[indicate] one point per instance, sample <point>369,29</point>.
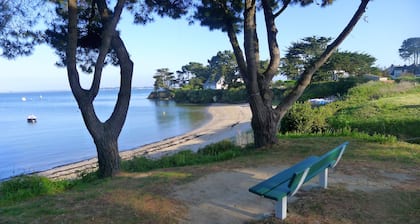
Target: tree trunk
<point>265,119</point>
<point>105,134</point>
<point>264,123</point>
<point>108,156</point>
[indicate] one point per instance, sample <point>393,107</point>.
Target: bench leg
<point>281,208</point>
<point>323,178</point>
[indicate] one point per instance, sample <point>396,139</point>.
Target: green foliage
<point>410,49</point>
<point>378,107</point>
<point>163,79</point>
<point>19,32</point>
<point>375,90</point>
<point>234,95</point>
<point>345,132</point>
<point>330,88</point>
<point>23,187</point>
<point>200,71</point>
<point>220,151</point>
<point>352,62</point>
<point>303,118</point>
<point>383,110</point>
<point>407,77</point>
<point>223,15</point>
<point>300,54</point>
<point>197,96</point>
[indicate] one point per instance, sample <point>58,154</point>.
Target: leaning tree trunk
<point>105,134</point>
<point>265,119</point>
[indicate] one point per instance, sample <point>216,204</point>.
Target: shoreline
<point>226,122</point>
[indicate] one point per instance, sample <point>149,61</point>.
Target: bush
<point>236,95</point>
<point>23,187</point>
<point>303,118</point>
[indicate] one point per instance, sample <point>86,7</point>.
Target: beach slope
<point>227,121</point>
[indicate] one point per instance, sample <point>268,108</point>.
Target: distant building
<point>215,82</point>
<point>396,71</point>
<point>336,74</point>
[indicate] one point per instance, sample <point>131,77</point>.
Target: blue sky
<point>171,44</point>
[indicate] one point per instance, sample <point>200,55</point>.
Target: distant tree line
<point>302,53</point>
<point>298,55</point>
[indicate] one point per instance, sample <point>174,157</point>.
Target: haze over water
<point>60,137</point>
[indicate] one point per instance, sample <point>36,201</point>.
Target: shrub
<point>303,118</point>
<point>23,187</point>
<point>235,95</point>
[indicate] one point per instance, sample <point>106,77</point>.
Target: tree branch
<point>306,77</point>
<point>282,9</point>
<point>240,59</point>
<point>72,73</point>
<point>110,24</point>
<point>273,47</point>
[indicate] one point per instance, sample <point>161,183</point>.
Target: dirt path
<point>223,197</point>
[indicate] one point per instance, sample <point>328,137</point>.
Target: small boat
<point>31,118</point>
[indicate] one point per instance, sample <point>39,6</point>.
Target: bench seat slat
<point>283,177</point>
<point>288,188</point>
<point>278,192</point>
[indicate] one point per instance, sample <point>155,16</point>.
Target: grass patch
<point>338,205</point>
<point>24,187</point>
<point>375,108</point>
<point>145,197</point>
<point>220,151</point>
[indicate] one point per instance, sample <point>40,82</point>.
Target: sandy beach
<point>227,122</point>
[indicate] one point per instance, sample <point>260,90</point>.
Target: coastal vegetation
<point>85,38</point>
<point>236,16</point>
<point>381,119</point>
<point>145,197</point>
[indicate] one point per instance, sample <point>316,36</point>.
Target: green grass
<point>220,151</point>
<point>23,187</point>
<point>397,115</point>
<point>144,197</point>
<point>374,108</point>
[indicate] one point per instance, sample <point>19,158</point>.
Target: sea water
<point>59,136</point>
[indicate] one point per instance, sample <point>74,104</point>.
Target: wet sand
<point>227,122</point>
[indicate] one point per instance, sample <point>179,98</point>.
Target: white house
<point>215,83</point>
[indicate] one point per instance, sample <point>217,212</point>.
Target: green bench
<point>286,183</point>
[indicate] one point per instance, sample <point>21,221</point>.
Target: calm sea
<point>60,137</point>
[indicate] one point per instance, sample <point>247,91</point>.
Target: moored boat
<point>31,118</point>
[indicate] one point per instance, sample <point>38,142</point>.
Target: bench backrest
<point>328,160</point>
<point>297,181</point>
<point>285,176</point>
